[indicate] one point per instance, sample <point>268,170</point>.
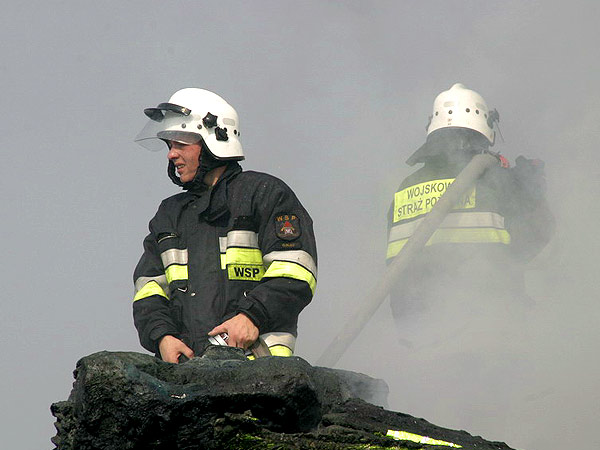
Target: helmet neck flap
<point>450,145</point>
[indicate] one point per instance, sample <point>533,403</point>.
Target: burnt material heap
<point>124,400</point>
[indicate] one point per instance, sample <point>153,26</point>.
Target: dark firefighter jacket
<point>246,245</point>
<point>501,223</point>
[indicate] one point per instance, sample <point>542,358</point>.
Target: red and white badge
<point>287,227</point>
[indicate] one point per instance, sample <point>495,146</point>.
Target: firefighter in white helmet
<point>460,126</point>
<point>468,282</point>
<point>234,255</point>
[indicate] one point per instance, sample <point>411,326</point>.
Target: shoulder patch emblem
<point>287,227</point>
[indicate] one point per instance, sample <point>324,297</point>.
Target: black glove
<point>531,177</point>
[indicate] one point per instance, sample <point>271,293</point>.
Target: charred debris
<point>126,400</point>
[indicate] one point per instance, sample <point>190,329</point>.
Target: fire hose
<point>352,328</point>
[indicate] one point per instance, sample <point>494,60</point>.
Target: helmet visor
<point>184,137</point>
<point>165,124</point>
<point>158,114</point>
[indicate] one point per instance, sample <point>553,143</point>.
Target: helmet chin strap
<point>172,175</point>
<point>207,163</point>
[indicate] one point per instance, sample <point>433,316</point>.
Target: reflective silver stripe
<point>242,238</point>
<point>295,256</point>
<point>223,244</point>
<point>279,338</point>
<point>174,256</point>
<point>480,219</point>
<point>223,250</point>
<point>161,280</point>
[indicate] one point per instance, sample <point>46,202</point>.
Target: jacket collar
<point>212,201</point>
<point>449,146</point>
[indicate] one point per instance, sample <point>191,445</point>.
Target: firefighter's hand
<point>530,175</point>
<point>172,348</point>
<point>241,330</point>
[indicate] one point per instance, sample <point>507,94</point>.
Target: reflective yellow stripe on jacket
<point>148,286</point>
<point>296,264</point>
<point>244,264</point>
<point>176,272</point>
<point>175,262</point>
<point>280,350</point>
<point>243,259</point>
<point>457,227</point>
<point>280,343</point>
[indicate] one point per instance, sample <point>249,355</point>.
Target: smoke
<point>525,374</point>
<point>535,385</point>
<point>333,98</point>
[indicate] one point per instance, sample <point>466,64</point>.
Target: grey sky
<point>333,97</point>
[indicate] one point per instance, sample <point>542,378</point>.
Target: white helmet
<point>463,108</point>
<point>192,114</point>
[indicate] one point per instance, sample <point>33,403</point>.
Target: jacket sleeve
<point>287,242</point>
<point>530,220</point>
<point>151,300</point>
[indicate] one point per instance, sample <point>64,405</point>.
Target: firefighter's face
<point>186,158</point>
